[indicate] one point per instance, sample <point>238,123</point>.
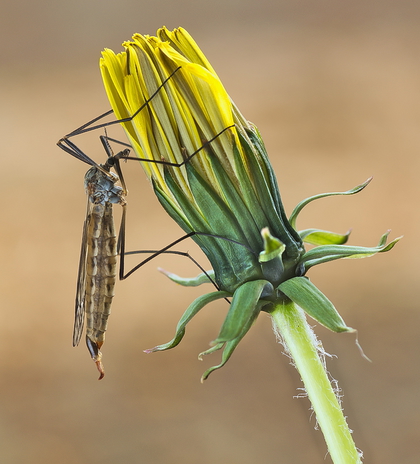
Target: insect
<point>98,256</point>
<point>100,247</point>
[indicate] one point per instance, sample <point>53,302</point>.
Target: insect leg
<point>90,125</point>
<point>165,249</point>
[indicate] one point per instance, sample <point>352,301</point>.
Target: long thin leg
<point>155,253</point>
<point>87,127</point>
<point>168,163</point>
<point>68,146</point>
<point>180,253</point>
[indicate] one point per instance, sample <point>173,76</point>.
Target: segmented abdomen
<point>101,271</point>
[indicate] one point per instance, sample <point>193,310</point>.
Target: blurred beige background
<point>335,89</point>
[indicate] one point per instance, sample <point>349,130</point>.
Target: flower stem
<point>290,322</point>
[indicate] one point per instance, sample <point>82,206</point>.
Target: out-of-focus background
<point>334,88</point>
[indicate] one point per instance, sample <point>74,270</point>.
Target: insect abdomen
<point>101,271</point>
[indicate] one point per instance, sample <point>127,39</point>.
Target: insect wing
<point>79,317</point>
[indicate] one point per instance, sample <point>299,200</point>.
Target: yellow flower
<point>228,188</point>
<point>211,173</point>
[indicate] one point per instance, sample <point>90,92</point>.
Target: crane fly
<point>98,257</point>
<point>98,261</point>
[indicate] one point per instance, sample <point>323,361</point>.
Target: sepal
<point>203,278</point>
<point>190,312</point>
<point>323,237</point>
<point>273,247</point>
<point>302,204</point>
<point>325,253</point>
<point>304,293</point>
<point>230,346</point>
<point>243,308</point>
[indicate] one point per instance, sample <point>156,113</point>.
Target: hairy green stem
<point>300,341</point>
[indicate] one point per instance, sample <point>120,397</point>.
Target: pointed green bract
<point>304,293</point>
<point>230,346</point>
<point>191,311</point>
<point>217,213</point>
<point>244,304</point>
<point>203,278</point>
<point>273,247</point>
<point>325,253</point>
<point>211,350</point>
<point>302,204</point>
<point>235,202</point>
<point>267,200</point>
<point>323,237</point>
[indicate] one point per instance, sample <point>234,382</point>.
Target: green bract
<point>226,192</point>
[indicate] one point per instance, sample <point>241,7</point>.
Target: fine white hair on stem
<point>322,355</point>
